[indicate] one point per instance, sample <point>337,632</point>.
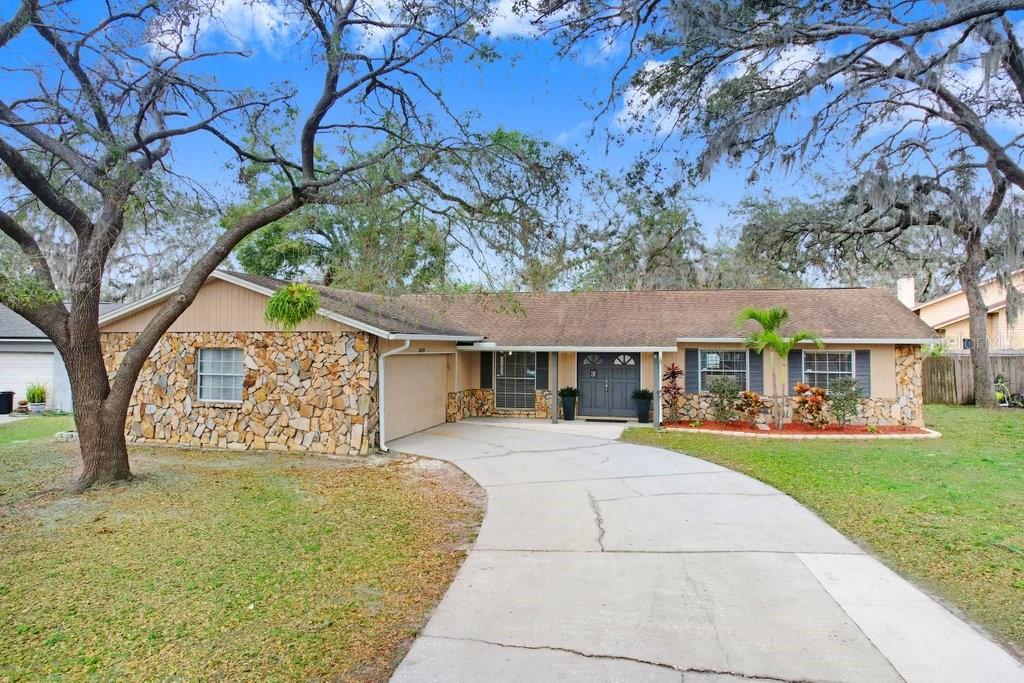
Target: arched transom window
<point>592,359</point>
<point>624,359</point>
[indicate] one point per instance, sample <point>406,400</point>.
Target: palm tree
<point>770,337</point>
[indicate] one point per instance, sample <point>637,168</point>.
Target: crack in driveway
<point>623,658</point>
<point>594,505</point>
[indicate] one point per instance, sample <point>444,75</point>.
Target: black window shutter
<point>862,371</point>
<point>796,369</point>
<point>486,369</point>
<point>542,370</point>
<point>756,371</point>
<point>692,370</point>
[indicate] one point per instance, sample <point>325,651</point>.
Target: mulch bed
<point>796,428</point>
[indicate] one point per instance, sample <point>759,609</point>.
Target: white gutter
<point>827,340</point>
<point>490,346</point>
<point>434,337</point>
<point>380,391</point>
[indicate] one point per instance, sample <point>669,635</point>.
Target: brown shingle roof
<point>659,318</point>
<point>622,318</point>
<point>396,314</point>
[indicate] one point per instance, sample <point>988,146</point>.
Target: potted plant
<point>35,394</point>
<point>643,398</point>
<point>568,396</point>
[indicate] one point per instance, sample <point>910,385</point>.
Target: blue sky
<point>531,88</point>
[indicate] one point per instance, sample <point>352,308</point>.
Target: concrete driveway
<point>600,560</point>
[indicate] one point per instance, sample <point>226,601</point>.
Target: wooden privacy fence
<point>950,379</point>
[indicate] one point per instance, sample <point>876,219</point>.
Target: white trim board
<point>595,349</point>
<point>826,340</point>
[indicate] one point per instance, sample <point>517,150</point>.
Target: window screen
<point>220,374</point>
<point>821,368</point>
<point>515,379</point>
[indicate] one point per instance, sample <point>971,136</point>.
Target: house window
<point>220,374</point>
<point>624,359</point>
<point>822,368</point>
<point>515,379</point>
<point>715,363</point>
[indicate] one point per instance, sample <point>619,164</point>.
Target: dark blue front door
<point>607,382</point>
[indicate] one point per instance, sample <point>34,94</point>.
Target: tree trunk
<point>970,273</point>
<point>104,451</point>
<point>99,417</point>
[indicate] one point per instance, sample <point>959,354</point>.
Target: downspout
<point>657,389</point>
<point>380,391</point>
<point>553,386</point>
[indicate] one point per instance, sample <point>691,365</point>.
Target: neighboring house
<point>948,316</point>
<point>368,366</point>
<point>27,356</point>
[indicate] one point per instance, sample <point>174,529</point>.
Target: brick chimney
<point>906,291</point>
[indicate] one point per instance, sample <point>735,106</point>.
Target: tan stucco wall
<point>221,307</point>
<point>566,369</point>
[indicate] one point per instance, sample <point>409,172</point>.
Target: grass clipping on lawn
<point>212,565</point>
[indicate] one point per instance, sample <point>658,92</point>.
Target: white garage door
<point>18,370</point>
<point>415,393</point>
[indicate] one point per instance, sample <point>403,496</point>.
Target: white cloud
<point>603,50</point>
<point>505,20</point>
<point>236,23</point>
<point>640,107</point>
<point>780,68</point>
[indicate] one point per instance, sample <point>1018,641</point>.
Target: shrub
<point>811,404</point>
<point>723,392</point>
<point>750,404</point>
<point>35,393</point>
<point>568,391</point>
<point>291,305</point>
<point>671,391</point>
<point>643,395</point>
<point>843,398</point>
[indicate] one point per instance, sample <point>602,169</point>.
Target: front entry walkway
<point>600,560</point>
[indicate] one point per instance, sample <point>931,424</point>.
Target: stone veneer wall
<point>314,391</point>
<point>906,409</point>
<point>469,403</point>
<point>480,402</point>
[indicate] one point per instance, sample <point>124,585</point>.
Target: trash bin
<point>6,402</point>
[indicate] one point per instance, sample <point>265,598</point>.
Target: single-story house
<point>948,316</point>
<point>369,369</point>
<point>27,356</point>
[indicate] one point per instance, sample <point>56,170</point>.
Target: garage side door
<point>415,393</point>
<point>18,370</point>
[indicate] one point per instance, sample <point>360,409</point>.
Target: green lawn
<point>948,513</point>
<point>222,566</point>
<point>22,470</point>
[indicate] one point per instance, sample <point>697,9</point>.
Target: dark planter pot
<point>643,410</point>
<point>569,407</point>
